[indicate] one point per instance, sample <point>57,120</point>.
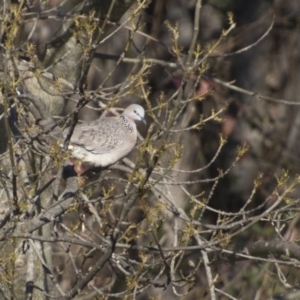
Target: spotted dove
<point>103,142</point>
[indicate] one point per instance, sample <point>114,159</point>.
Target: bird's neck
<point>126,123</point>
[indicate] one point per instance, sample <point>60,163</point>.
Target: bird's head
<point>135,112</point>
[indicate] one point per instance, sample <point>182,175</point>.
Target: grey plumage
<point>103,142</point>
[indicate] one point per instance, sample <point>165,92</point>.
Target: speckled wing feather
<point>99,136</point>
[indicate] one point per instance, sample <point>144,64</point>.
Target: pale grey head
<point>135,112</point>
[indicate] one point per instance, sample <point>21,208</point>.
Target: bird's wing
<point>98,137</point>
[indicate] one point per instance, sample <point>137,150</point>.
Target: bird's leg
<point>80,171</point>
<point>78,166</point>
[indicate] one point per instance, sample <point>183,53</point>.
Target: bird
<point>103,142</point>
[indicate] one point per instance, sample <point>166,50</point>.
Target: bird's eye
<point>134,111</point>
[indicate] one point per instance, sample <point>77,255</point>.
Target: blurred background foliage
<point>116,57</point>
